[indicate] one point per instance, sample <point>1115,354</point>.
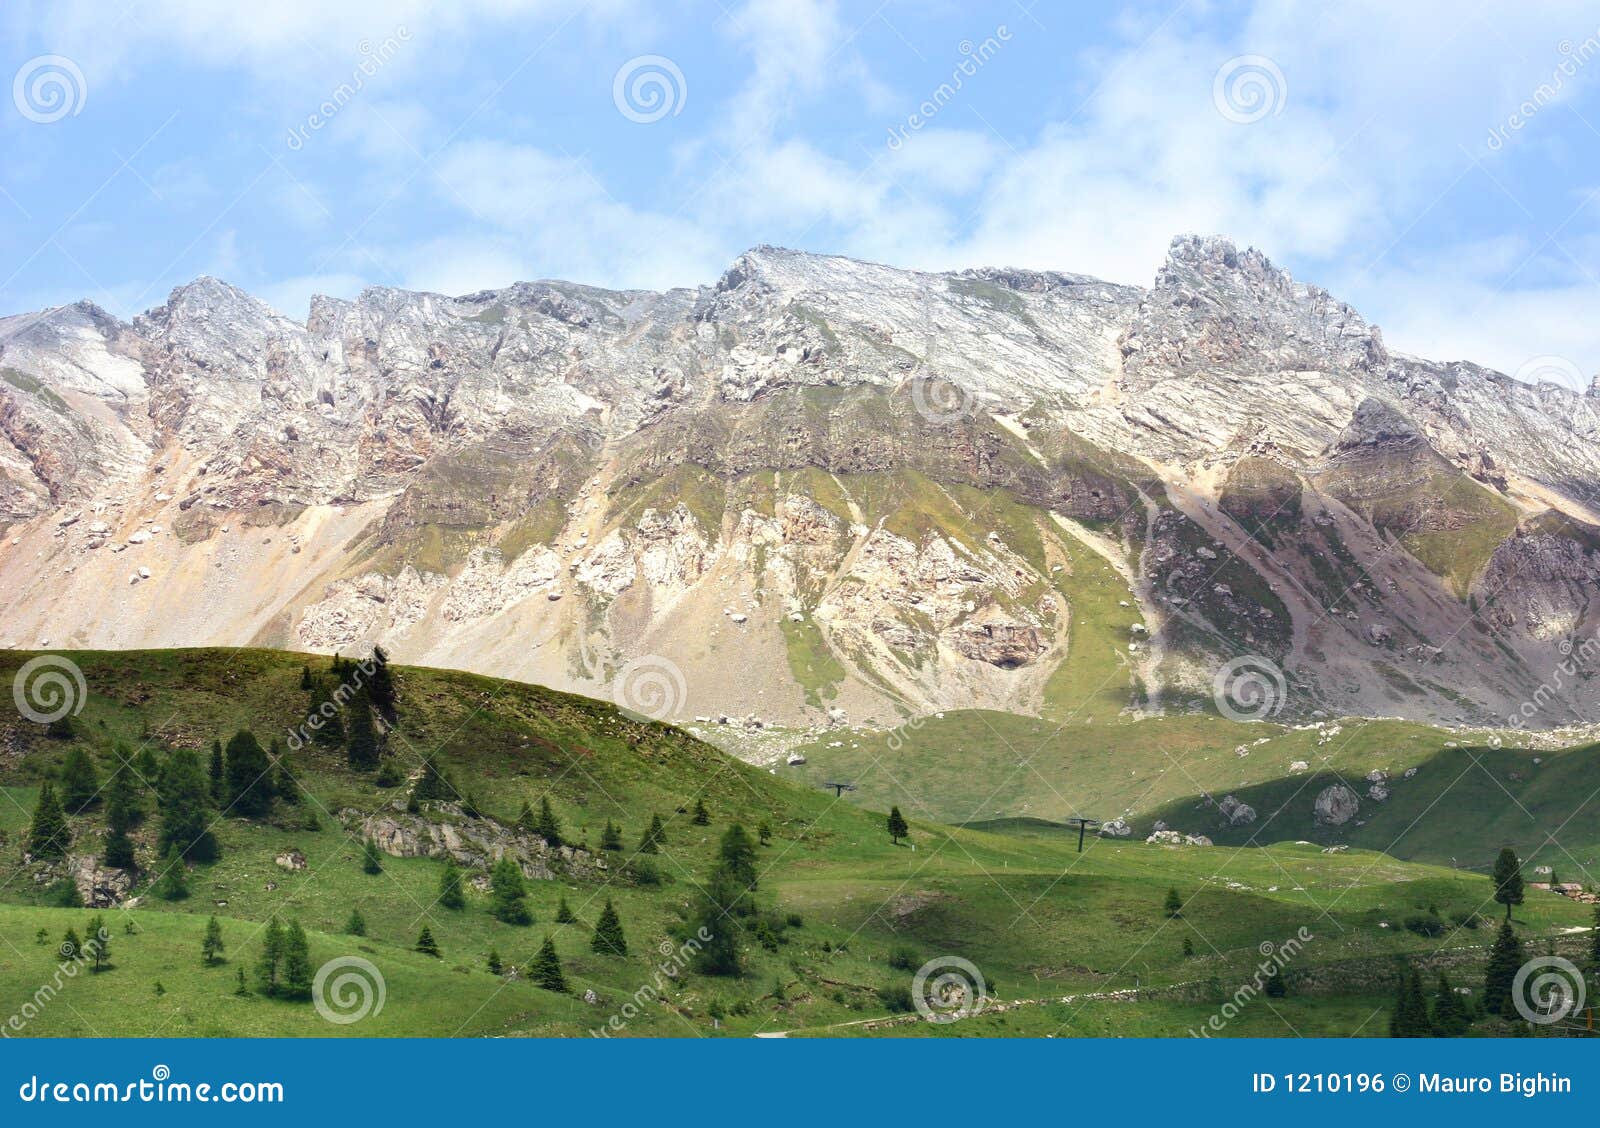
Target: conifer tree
<point>356,925</point>
<point>71,946</point>
<point>508,895</point>
<point>219,785</point>
<point>122,805</point>
<point>611,837</point>
<point>655,836</point>
<point>1276,988</point>
<point>287,787</point>
<point>371,857</point>
<point>329,733</point>
<point>898,828</point>
<point>148,768</point>
<point>431,783</point>
<point>1450,1017</point>
<point>211,948</point>
<point>380,686</point>
<point>173,884</point>
<point>493,963</point>
<point>269,964</point>
<point>99,943</point>
<point>702,817</point>
<point>305,679</point>
<point>545,971</point>
<point>186,808</point>
<point>1508,879</point>
<point>738,855</point>
<point>608,939</point>
<point>547,826</point>
<point>1410,1017</point>
<point>451,893</point>
<point>248,777</point>
<point>1505,958</point>
<point>564,914</point>
<point>297,969</point>
<point>48,833</point>
<point>80,784</point>
<point>764,833</point>
<point>426,944</point>
<point>716,918</point>
<point>1174,904</point>
<point>361,741</point>
<point>1188,948</point>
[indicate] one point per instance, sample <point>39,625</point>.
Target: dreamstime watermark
<point>973,58</point>
<point>1547,989</point>
<point>949,988</point>
<point>335,702</point>
<point>1274,958</point>
<point>647,88</point>
<point>1249,688</point>
<point>373,60</point>
<point>74,957</point>
<point>676,958</point>
<point>1550,369</point>
<point>1574,57</point>
<point>158,1088</point>
<point>347,989</point>
<point>1575,662</point>
<point>939,401</point>
<point>650,688</point>
<point>1248,88</point>
<point>49,688</point>
<point>48,88</point>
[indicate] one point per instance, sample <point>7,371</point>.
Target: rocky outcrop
<point>442,830</point>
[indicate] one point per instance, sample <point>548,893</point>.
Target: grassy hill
<point>846,916</point>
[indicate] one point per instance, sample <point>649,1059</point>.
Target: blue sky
<point>1437,165</point>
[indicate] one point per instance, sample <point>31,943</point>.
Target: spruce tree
<point>431,783</point>
<point>1450,1016</point>
<point>655,836</point>
<point>325,709</point>
<point>248,777</point>
<point>297,969</point>
<point>356,925</point>
<point>1410,1017</point>
<point>508,895</point>
<point>1508,879</point>
<point>547,826</point>
<point>1505,959</point>
<point>451,893</point>
<point>71,946</point>
<point>361,742</point>
<point>611,837</point>
<point>211,948</point>
<point>148,768</point>
<point>269,964</point>
<point>99,943</point>
<point>608,939</point>
<point>287,787</point>
<point>219,785</point>
<point>1174,904</point>
<point>426,943</point>
<point>493,962</point>
<point>371,857</point>
<point>564,913</point>
<point>80,784</point>
<point>718,905</point>
<point>702,817</point>
<point>380,686</point>
<point>738,855</point>
<point>48,833</point>
<point>186,808</point>
<point>305,679</point>
<point>173,884</point>
<point>122,805</point>
<point>1276,988</point>
<point>1188,948</point>
<point>898,828</point>
<point>545,971</point>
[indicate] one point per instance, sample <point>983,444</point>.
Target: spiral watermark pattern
<point>348,989</point>
<point>939,401</point>
<point>1248,88</point>
<point>1551,370</point>
<point>947,988</point>
<point>49,688</point>
<point>647,88</point>
<point>651,688</point>
<point>48,88</point>
<point>1249,688</point>
<point>1555,991</point>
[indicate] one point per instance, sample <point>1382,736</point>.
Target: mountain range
<point>818,492</point>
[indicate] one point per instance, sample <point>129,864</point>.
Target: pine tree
<point>1450,1017</point>
<point>897,826</point>
<point>1410,1017</point>
<point>361,742</point>
<point>248,777</point>
<point>764,833</point>
<point>1508,879</point>
<point>608,939</point>
<point>564,913</point>
<point>547,826</point>
<point>611,837</point>
<point>219,786</point>
<point>426,943</point>
<point>380,686</point>
<point>99,944</point>
<point>1505,958</point>
<point>297,970</point>
<point>493,963</point>
<point>287,787</point>
<point>48,833</point>
<point>243,988</point>
<point>655,836</point>
<point>186,808</point>
<point>738,855</point>
<point>356,925</point>
<point>269,965</point>
<point>508,896</point>
<point>80,786</point>
<point>702,817</point>
<point>451,893</point>
<point>122,805</point>
<point>148,769</point>
<point>718,903</point>
<point>211,948</point>
<point>1174,904</point>
<point>173,884</point>
<point>431,783</point>
<point>371,857</point>
<point>545,971</point>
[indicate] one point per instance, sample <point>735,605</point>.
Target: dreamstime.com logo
<point>49,688</point>
<point>48,88</point>
<point>650,688</point>
<point>1248,88</point>
<point>939,401</point>
<point>1249,688</point>
<point>947,988</point>
<point>348,989</point>
<point>1547,989</point>
<point>647,88</point>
